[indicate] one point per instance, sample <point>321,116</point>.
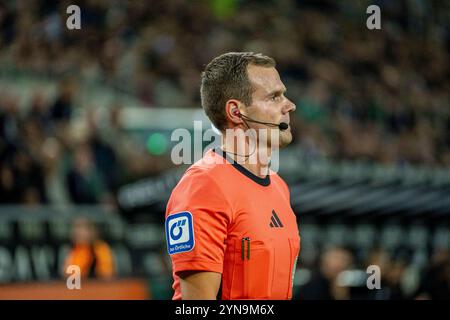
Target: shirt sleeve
<point>198,194</point>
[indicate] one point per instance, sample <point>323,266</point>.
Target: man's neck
<point>252,157</point>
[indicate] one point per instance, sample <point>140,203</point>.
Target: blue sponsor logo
<point>180,232</point>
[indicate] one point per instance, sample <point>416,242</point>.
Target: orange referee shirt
<point>223,218</point>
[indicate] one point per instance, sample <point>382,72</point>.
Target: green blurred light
<point>157,144</point>
<point>223,9</point>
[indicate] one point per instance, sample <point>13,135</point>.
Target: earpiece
<point>236,112</point>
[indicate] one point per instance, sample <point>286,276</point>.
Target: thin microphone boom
<point>281,125</point>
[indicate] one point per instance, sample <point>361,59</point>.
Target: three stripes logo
<point>275,221</point>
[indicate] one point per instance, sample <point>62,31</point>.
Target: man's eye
<point>274,97</point>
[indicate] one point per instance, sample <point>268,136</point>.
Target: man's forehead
<point>265,79</point>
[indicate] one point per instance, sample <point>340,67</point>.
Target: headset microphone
<point>282,125</point>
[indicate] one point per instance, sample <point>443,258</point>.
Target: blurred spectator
<point>8,188</point>
<point>28,178</point>
<point>84,180</point>
<point>61,110</point>
<point>9,121</point>
<point>323,284</point>
<point>91,254</point>
<point>104,156</point>
<point>435,283</point>
<point>55,163</point>
<point>391,275</point>
<point>38,111</point>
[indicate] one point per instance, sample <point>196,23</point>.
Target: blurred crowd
<point>46,159</point>
<point>376,95</point>
<point>339,275</point>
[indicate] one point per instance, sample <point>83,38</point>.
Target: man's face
<point>269,103</point>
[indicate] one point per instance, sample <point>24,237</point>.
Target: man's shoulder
<point>209,166</point>
<point>200,183</point>
<point>206,171</point>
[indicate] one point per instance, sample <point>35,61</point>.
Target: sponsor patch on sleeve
<point>180,232</point>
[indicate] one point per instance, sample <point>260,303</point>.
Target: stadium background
<point>87,115</point>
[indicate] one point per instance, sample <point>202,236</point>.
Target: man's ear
<point>233,112</point>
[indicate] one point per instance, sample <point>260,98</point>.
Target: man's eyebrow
<point>277,92</point>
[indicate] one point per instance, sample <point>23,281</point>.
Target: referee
<point>230,230</point>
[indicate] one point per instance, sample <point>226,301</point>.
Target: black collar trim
<point>261,181</point>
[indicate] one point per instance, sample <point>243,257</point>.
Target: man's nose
<point>289,106</point>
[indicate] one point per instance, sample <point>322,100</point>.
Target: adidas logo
<point>275,221</point>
